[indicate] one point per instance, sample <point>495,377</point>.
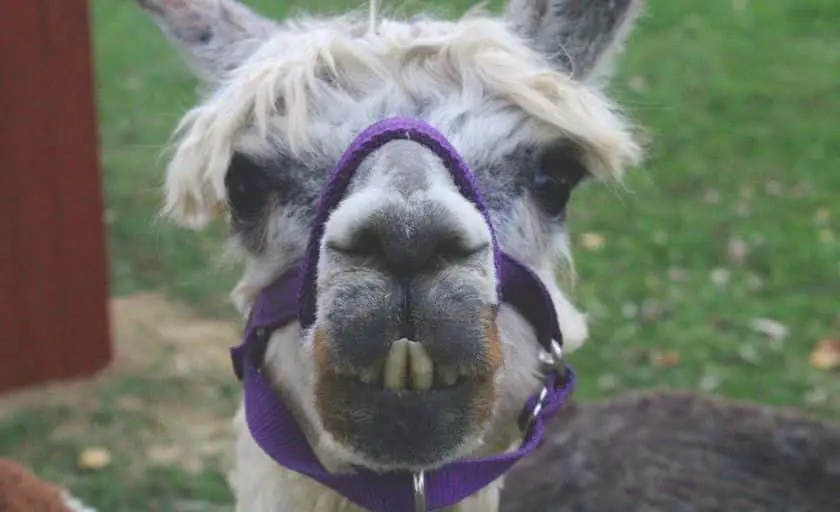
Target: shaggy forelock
<point>476,80</point>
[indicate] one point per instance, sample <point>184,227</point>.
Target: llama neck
<point>261,487</point>
<point>290,491</point>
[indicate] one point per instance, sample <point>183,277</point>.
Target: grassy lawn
<point>733,222</point>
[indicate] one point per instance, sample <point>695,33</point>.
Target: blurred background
<point>717,270</point>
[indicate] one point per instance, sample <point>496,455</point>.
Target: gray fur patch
<point>404,164</point>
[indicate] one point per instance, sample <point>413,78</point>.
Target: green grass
<point>741,100</point>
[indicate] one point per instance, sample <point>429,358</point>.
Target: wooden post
<point>53,262</point>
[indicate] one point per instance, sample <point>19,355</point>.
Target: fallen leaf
<point>665,358</point>
<point>94,458</point>
<point>133,83</point>
<point>607,382</point>
<point>826,236</point>
<point>826,355</point>
<point>822,215</point>
<point>737,250</point>
<point>712,196</point>
<point>75,503</point>
<point>709,383</point>
<point>660,237</point>
<point>770,328</point>
<point>754,283</point>
<point>720,276</point>
<point>652,311</point>
<point>637,83</point>
<point>593,241</point>
<point>109,216</point>
<point>635,356</point>
<point>676,274</point>
<point>746,192</point>
<point>748,353</point>
<point>743,209</point>
<point>739,5</point>
<point>773,187</point>
<point>816,396</point>
<point>629,310</point>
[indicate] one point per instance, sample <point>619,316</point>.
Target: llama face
<point>411,361</point>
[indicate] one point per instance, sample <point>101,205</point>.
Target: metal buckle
<point>555,360</point>
<point>420,492</point>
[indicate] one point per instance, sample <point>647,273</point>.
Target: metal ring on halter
<point>537,408</point>
<point>419,492</point>
<point>555,359</point>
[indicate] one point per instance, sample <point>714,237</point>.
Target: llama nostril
<point>409,241</point>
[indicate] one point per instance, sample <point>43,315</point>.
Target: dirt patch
<point>169,391</point>
<point>150,330</point>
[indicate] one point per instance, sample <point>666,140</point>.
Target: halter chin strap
<point>292,298</point>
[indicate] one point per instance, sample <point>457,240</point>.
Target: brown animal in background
<point>23,491</point>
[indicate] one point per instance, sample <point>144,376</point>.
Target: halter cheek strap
<point>292,298</point>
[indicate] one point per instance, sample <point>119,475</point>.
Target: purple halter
<point>292,298</point>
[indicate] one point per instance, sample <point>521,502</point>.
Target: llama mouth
<point>405,411</point>
<point>408,367</point>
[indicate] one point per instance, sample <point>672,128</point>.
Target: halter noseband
<point>292,298</point>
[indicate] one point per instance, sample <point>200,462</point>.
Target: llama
<point>406,360</point>
<point>678,451</point>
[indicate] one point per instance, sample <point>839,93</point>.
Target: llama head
<point>411,361</point>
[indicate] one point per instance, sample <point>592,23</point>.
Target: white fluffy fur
<point>278,91</point>
<point>305,91</point>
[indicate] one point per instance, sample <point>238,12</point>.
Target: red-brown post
<point>53,263</point>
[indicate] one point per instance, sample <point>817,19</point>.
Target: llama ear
<point>579,36</point>
<point>212,35</point>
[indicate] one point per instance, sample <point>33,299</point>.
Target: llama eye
<point>558,173</point>
<point>247,187</point>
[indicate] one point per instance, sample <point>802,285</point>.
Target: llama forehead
<point>314,85</point>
